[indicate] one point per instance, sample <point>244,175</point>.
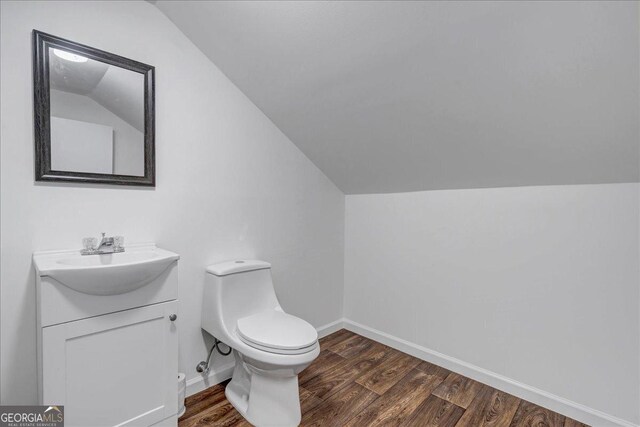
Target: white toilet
<point>271,347</point>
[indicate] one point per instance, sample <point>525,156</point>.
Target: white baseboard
<point>330,328</point>
<point>542,398</point>
<point>197,384</point>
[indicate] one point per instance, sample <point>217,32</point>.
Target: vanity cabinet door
<point>115,369</point>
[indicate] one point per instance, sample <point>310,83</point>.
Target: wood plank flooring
<point>359,382</point>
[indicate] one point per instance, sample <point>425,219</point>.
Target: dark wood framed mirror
<point>94,115</point>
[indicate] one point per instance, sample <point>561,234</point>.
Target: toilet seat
<point>277,332</point>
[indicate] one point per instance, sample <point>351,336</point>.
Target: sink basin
<point>108,274</point>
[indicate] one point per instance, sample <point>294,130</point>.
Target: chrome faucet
<point>107,245</point>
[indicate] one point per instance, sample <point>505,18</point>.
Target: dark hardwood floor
<point>359,382</point>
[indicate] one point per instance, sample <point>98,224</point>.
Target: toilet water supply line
<point>203,367</point>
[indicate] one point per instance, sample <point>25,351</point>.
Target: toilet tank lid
<point>237,266</point>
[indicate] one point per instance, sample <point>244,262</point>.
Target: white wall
<point>229,183</point>
<point>538,284</point>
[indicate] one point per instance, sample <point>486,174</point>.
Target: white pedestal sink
<point>108,274</point>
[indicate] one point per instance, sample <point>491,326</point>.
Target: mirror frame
<point>42,42</point>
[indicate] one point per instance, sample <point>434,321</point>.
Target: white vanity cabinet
<point>109,359</point>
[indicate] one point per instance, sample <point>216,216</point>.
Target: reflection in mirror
<point>97,116</point>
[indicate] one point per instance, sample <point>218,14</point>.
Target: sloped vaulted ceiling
<point>402,96</point>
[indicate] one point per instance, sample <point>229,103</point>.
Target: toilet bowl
<point>271,347</point>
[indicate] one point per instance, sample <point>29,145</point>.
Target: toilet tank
<point>233,290</point>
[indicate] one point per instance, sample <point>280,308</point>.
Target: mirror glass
<point>97,116</point>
